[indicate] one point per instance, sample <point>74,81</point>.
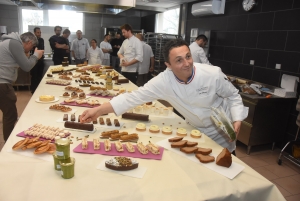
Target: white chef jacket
<point>105,45</point>
<point>131,49</point>
<point>208,87</point>
<point>147,54</point>
<point>198,54</point>
<point>95,56</point>
<point>80,47</point>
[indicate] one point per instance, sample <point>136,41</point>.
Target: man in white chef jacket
<point>106,49</point>
<point>197,50</point>
<point>130,54</point>
<point>79,48</point>
<point>191,88</point>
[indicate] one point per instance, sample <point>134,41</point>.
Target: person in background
<point>62,46</point>
<point>15,53</point>
<point>56,45</point>
<point>130,53</point>
<point>191,88</point>
<point>37,71</point>
<point>197,51</point>
<point>65,36</point>
<point>79,48</point>
<point>116,44</point>
<point>147,64</point>
<point>106,48</point>
<point>95,54</point>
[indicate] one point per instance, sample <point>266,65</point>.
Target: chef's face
<point>125,33</point>
<point>180,62</point>
<point>93,43</point>
<point>79,34</point>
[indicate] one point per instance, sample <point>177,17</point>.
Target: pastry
<point>153,148</point>
<point>179,144</point>
<point>79,118</point>
<point>81,101</point>
<point>49,75</point>
<point>74,94</point>
<point>140,127</point>
<point>108,122</point>
<point>188,150</point>
<point>195,134</point>
<point>191,144</point>
<point>134,116</point>
<point>205,158</point>
<point>72,117</point>
<point>84,143</point>
<point>52,148</point>
<point>107,134</point>
<point>117,136</point>
<point>154,129</point>
<point>130,148</point>
<point>119,146</point>
<point>107,145</point>
<point>167,130</point>
<point>96,143</point>
<point>116,88</point>
<point>69,100</point>
<point>60,107</point>
<point>175,139</point>
<point>46,98</point>
<point>34,144</point>
<point>203,151</point>
<point>130,137</point>
<point>66,94</point>
<point>42,149</point>
<point>95,121</point>
<point>142,149</point>
<point>181,132</point>
<point>79,126</point>
<point>82,95</point>
<point>20,144</point>
<point>101,121</point>
<point>58,82</point>
<point>122,81</point>
<point>224,158</point>
<point>121,164</point>
<point>117,123</point>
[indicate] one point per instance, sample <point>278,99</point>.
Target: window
<point>70,19</point>
<point>167,22</point>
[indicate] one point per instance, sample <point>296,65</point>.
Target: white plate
<point>84,131</point>
<point>55,100</point>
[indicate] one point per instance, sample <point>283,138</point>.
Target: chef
<point>191,88</point>
<point>94,54</point>
<point>197,50</point>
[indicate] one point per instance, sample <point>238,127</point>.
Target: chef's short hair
<point>127,27</point>
<point>57,27</point>
<point>67,31</point>
<point>94,40</point>
<point>203,37</point>
<point>172,44</point>
<point>28,36</point>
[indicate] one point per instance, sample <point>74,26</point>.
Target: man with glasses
<point>79,48</point>
<point>15,53</point>
<point>197,51</point>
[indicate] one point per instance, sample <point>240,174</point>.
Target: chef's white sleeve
<point>139,51</point>
<point>202,56</point>
<point>225,89</point>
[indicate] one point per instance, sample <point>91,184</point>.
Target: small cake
<point>140,127</point>
<point>49,75</point>
<point>96,144</point>
<point>195,134</point>
<point>154,129</point>
<point>167,130</point>
<point>74,95</point>
<point>205,158</point>
<point>142,148</point>
<point>224,158</point>
<point>188,150</point>
<point>191,144</point>
<point>130,148</point>
<point>119,146</point>
<point>154,149</point>
<point>82,95</point>
<point>46,98</point>
<point>121,164</point>
<point>181,132</point>
<point>116,88</point>
<point>102,76</point>
<point>175,139</point>
<point>203,151</point>
<point>66,94</point>
<point>179,144</point>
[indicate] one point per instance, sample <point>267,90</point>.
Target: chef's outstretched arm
<point>92,114</point>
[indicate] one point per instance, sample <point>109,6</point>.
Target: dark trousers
<point>132,76</point>
<point>115,62</point>
<point>57,60</point>
<point>36,75</point>
<point>80,61</point>
<point>142,79</point>
<point>8,107</point>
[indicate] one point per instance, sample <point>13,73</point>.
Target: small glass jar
<point>57,162</point>
<point>109,85</point>
<point>67,168</point>
<point>62,148</point>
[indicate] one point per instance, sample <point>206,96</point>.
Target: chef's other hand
<point>39,52</point>
<point>125,63</point>
<point>89,115</point>
<point>151,69</point>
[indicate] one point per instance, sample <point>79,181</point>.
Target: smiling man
<point>191,88</point>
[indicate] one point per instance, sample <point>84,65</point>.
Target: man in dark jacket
<point>57,46</point>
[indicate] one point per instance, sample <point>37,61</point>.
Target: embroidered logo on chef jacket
<point>202,90</point>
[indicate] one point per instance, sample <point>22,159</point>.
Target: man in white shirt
<point>197,51</point>
<point>79,48</point>
<point>130,53</point>
<point>191,88</point>
<point>147,64</point>
<point>106,49</point>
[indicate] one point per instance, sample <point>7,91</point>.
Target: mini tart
<point>46,98</point>
<point>154,129</point>
<point>195,134</point>
<point>140,127</point>
<point>181,132</point>
<point>167,130</point>
<point>116,88</point>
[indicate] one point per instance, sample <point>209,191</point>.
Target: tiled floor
<point>286,177</point>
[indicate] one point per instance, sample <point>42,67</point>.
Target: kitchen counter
<point>173,178</point>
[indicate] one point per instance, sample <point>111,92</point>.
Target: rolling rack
<point>288,156</point>
<point>157,42</point>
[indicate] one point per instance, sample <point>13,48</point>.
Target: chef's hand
<point>125,63</point>
<point>90,115</point>
<point>151,69</point>
<point>39,52</point>
<point>236,127</point>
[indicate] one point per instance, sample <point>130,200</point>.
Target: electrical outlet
<point>278,66</point>
<point>251,62</point>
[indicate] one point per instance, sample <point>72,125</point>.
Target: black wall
<point>148,23</point>
<point>268,34</point>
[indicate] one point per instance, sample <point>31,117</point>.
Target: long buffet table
<point>173,178</point>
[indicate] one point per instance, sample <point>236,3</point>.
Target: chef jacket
<point>207,87</point>
<point>106,45</point>
<point>131,49</point>
<point>80,47</point>
<point>198,54</point>
<point>95,56</point>
<point>147,54</point>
